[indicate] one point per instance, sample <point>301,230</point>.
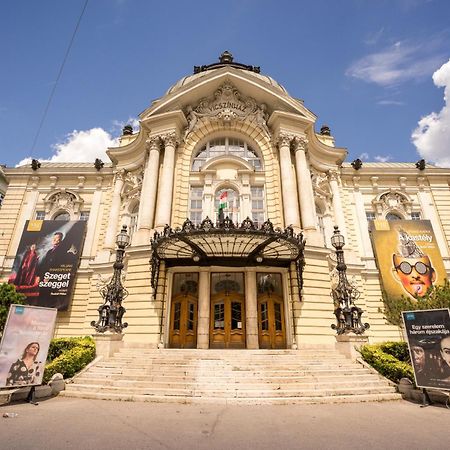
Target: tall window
<point>257,193</point>
<point>196,205</point>
<point>84,215</point>
<point>415,215</point>
<point>133,220</point>
<point>226,146</point>
<point>63,216</point>
<point>40,215</point>
<point>226,203</point>
<point>370,215</point>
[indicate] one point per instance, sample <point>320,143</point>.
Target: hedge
<point>68,356</point>
<point>391,359</point>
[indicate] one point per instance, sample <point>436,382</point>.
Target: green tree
<point>8,296</point>
<point>437,297</point>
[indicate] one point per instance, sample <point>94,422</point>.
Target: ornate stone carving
<point>63,201</point>
<point>226,105</point>
<point>392,202</point>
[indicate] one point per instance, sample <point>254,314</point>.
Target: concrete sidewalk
<point>65,423</point>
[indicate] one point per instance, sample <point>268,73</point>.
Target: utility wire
<point>52,93</point>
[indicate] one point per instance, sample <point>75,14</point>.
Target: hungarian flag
<point>223,200</point>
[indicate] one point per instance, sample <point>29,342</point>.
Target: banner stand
<point>426,400</point>
<point>31,398</point>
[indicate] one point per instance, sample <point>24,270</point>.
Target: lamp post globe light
<point>348,315</point>
<point>111,311</point>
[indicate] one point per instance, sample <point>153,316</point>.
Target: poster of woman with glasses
<point>408,257</point>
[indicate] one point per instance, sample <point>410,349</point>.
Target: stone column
<point>164,203</point>
<point>111,231</point>
<point>337,203</point>
<point>251,309</point>
<point>148,193</point>
<point>288,190</point>
<point>203,309</point>
<point>304,186</point>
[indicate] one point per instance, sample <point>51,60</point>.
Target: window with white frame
<point>257,198</point>
<point>226,203</point>
<point>370,215</point>
<point>2,196</point>
<point>40,215</point>
<point>196,204</point>
<point>415,215</point>
<point>84,215</point>
<point>226,146</point>
<point>63,216</point>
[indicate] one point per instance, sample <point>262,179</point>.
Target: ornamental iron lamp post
<point>348,315</point>
<point>113,293</point>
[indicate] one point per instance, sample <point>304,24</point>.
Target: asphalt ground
<point>65,423</point>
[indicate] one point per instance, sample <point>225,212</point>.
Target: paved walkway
<point>65,423</point>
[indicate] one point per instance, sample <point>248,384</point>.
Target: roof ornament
<point>226,59</point>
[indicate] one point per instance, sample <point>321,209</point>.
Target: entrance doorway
<point>227,316</point>
<point>184,311</point>
<point>271,320</point>
<point>183,322</point>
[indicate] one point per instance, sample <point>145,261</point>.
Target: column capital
<point>170,139</point>
<point>299,143</point>
<point>284,139</point>
<point>153,143</point>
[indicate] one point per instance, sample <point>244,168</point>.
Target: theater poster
<point>24,345</point>
<point>428,334</point>
<point>408,257</point>
<point>47,261</point>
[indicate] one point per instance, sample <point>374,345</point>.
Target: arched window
<point>63,216</point>
<point>226,203</point>
<point>393,216</point>
<point>226,146</point>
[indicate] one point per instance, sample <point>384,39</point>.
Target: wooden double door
<point>227,321</point>
<point>271,321</point>
<point>183,322</point>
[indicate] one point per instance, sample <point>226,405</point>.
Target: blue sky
<point>363,67</point>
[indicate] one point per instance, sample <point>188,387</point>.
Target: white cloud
<point>364,156</point>
<point>81,146</point>
<point>373,38</point>
<point>432,135</point>
<point>395,64</point>
<point>383,159</point>
<point>390,103</point>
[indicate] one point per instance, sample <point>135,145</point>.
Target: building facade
<point>230,194</point>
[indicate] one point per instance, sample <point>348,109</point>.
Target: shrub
<point>8,297</point>
<point>437,297</point>
<point>385,359</point>
<point>68,356</point>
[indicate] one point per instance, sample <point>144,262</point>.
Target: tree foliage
<point>437,297</point>
<point>8,297</point>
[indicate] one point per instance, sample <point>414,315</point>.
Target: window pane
<point>236,315</point>
<point>62,216</point>
<point>219,316</point>
<point>177,316</point>
<point>264,317</point>
<point>278,321</point>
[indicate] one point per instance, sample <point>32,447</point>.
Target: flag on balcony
<point>223,200</point>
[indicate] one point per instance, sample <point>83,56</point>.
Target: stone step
<point>233,384</point>
<point>232,401</point>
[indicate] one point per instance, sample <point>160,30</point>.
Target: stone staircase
<point>231,376</point>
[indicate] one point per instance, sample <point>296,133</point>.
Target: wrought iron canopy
<point>227,244</point>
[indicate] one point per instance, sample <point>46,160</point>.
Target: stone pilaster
<point>337,202</point>
<point>251,309</point>
<point>111,231</point>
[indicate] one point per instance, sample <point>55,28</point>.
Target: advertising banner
<point>408,257</point>
<point>24,345</point>
<point>428,334</point>
<point>47,260</point>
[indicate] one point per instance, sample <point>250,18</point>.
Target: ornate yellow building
<point>222,145</point>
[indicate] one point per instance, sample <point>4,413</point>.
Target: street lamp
<point>111,312</point>
<point>348,315</point>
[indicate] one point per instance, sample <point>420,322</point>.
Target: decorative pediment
<point>392,201</point>
<point>63,201</point>
<point>226,105</point>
